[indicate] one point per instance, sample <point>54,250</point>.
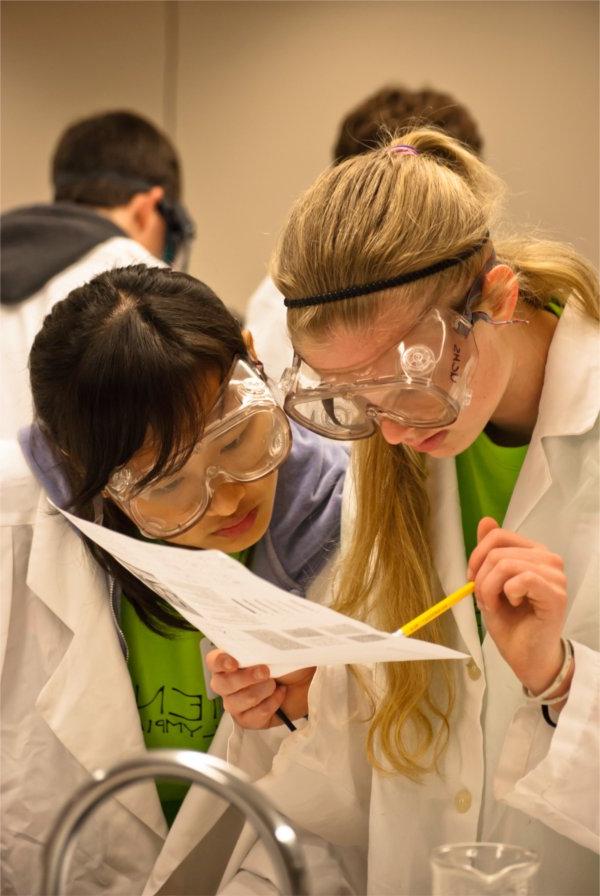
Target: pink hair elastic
<point>405,150</point>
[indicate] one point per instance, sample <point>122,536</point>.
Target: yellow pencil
<point>437,609</point>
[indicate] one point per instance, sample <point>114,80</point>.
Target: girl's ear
<point>500,292</point>
<point>249,343</point>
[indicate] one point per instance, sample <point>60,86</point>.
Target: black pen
<point>281,715</point>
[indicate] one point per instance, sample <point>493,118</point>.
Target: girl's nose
<point>396,434</point>
<point>227,498</point>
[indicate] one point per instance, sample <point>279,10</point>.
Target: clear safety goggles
<point>247,436</point>
<point>423,381</point>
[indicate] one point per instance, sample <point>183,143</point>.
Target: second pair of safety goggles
<point>247,437</point>
<point>179,236</point>
<point>422,381</point>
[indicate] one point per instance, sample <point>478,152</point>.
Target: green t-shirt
<point>487,474</point>
<point>170,693</point>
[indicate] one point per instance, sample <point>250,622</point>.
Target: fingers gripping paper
<point>251,619</point>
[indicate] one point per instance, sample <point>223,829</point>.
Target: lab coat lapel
<point>88,701</point>
<point>200,811</point>
<point>569,405</point>
<point>533,482</point>
<point>449,548</point>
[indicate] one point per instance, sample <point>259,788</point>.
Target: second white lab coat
<point>68,708</point>
<point>506,775</point>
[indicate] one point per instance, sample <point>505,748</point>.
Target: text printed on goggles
<point>247,436</point>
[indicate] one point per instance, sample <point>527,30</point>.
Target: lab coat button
<point>473,670</point>
<point>462,801</point>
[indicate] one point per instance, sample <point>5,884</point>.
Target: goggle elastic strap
<point>481,315</point>
<point>350,292</point>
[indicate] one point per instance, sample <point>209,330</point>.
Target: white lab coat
<point>68,708</point>
<point>266,319</point>
<point>20,323</point>
<point>506,775</point>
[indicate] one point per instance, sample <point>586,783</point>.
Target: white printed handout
<point>251,619</point>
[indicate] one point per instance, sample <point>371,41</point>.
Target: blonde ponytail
<point>387,577</point>
<point>548,271</point>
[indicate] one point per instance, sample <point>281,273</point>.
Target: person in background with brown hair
<point>116,181</point>
<point>389,110</point>
<point>396,108</point>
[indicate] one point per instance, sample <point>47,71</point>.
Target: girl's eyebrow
<point>405,331</point>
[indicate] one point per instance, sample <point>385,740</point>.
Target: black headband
<point>351,292</point>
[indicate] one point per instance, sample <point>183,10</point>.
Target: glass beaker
<point>477,869</point>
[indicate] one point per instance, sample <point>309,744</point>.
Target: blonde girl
<point>464,368</point>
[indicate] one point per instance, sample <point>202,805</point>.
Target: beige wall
<point>64,60</point>
<point>252,93</point>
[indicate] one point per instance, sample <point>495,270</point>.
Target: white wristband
<point>554,685</point>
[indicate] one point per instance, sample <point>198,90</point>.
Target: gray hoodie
<point>40,241</point>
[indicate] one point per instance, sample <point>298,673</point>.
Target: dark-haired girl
<point>153,418</point>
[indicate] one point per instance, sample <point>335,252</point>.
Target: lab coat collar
<point>569,406</point>
<point>88,701</point>
<point>570,401</point>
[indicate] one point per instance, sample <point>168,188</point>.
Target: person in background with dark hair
<point>389,110</point>
<point>153,418</point>
<point>116,182</point>
<point>394,109</point>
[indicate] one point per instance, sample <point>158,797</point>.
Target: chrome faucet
<point>216,775</point>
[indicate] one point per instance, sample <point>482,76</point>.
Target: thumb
<point>486,525</point>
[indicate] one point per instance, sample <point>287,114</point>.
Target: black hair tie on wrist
<point>546,715</point>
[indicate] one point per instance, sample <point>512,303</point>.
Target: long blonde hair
<point>373,217</point>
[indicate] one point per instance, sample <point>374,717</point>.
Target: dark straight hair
<point>105,159</point>
<point>125,355</point>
